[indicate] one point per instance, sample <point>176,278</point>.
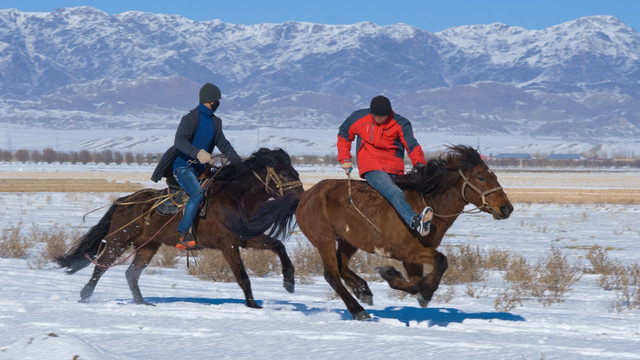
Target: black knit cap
<point>209,93</point>
<point>380,105</point>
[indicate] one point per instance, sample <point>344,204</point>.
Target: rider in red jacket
<point>382,137</point>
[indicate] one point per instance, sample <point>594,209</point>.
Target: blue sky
<point>431,15</point>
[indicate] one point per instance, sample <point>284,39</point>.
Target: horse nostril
<point>505,210</point>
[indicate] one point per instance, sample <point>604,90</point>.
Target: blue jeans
<point>186,177</point>
<point>382,182</point>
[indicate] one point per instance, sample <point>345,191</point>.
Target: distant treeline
<point>108,157</point>
<point>77,157</point>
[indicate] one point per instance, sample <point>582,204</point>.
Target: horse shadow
<point>194,300</point>
<point>404,314</point>
<point>438,316</point>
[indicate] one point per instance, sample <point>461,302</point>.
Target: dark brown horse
<point>338,227</point>
<point>267,173</point>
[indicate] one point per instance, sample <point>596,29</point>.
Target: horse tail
<point>276,214</point>
<point>76,258</point>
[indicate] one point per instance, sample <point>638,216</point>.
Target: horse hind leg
<point>275,245</point>
<point>89,287</point>
<point>112,251</point>
<point>357,284</point>
<point>328,254</point>
<point>140,262</point>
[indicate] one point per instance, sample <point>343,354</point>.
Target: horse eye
<point>481,178</point>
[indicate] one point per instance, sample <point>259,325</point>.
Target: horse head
<point>266,172</point>
<point>481,188</point>
<point>274,170</point>
<point>461,167</point>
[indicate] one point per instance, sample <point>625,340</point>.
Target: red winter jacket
<point>379,147</point>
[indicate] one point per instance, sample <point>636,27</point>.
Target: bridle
<point>280,187</point>
<point>481,193</point>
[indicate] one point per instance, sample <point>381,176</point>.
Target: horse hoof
<point>83,301</point>
<point>290,286</point>
<point>422,301</point>
<point>361,315</point>
<point>367,299</point>
<point>143,302</point>
<point>388,273</point>
<point>253,305</point>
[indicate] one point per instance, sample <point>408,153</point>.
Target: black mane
<point>258,160</point>
<point>441,172</point>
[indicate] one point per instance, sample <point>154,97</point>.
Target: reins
<point>356,207</point>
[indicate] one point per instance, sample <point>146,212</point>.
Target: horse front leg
<point>431,281</point>
<point>396,280</point>
<point>278,248</point>
<point>231,253</point>
<point>357,284</point>
<point>423,285</point>
<point>140,262</point>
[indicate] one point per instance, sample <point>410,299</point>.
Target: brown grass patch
<point>12,242</point>
<point>575,196</point>
<point>66,185</point>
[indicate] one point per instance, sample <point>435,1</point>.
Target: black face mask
<point>214,105</point>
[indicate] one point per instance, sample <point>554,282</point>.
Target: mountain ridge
<point>81,68</point>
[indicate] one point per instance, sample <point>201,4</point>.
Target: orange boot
<point>186,241</point>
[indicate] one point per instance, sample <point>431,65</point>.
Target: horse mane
<point>233,174</point>
<point>441,172</point>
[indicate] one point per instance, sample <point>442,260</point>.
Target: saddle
<point>174,203</point>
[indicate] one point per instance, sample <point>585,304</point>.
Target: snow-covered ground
<point>40,317</point>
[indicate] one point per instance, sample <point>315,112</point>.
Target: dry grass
<point>548,281</point>
<point>12,242</point>
<point>547,187</point>
<point>307,263</point>
<point>613,275</point>
<point>212,266</point>
<point>166,257</point>
<point>54,241</point>
<point>466,265</point>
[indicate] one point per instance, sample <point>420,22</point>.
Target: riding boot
<point>186,241</point>
<point>422,223</point>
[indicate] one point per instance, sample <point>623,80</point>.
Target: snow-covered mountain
<point>81,68</point>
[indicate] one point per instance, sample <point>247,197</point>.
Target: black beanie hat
<point>380,105</point>
<point>209,93</point>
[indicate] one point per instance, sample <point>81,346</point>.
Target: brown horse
<point>341,216</point>
<point>266,174</point>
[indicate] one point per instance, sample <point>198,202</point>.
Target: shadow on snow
<point>438,316</point>
<point>404,314</point>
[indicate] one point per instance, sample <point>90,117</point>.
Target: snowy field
<point>301,141</point>
<point>40,317</point>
